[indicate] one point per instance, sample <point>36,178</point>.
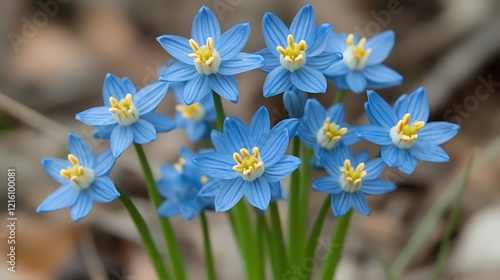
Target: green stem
<point>294,234</point>
<point>209,262</point>
<point>259,245</point>
<point>141,226</point>
<point>276,268</point>
<point>219,110</point>
<point>168,233</point>
<point>277,237</point>
<point>339,97</point>
<point>304,198</point>
<point>316,230</point>
<point>336,246</point>
<point>443,249</point>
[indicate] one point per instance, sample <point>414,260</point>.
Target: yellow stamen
<point>194,112</point>
<point>293,56</point>
<point>329,134</point>
<point>351,179</point>
<point>250,166</point>
<point>404,134</point>
<point>79,176</point>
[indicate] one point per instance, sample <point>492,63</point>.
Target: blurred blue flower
<point>209,60</point>
<point>350,178</point>
<point>294,101</point>
<point>325,131</point>
<point>362,64</point>
<point>128,115</point>
<point>403,131</point>
<point>83,178</point>
<point>180,184</point>
<point>296,56</point>
<point>247,161</point>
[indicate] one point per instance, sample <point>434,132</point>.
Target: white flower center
<point>294,56</point>
<point>329,134</point>
<point>403,134</point>
<point>79,176</point>
<point>193,112</point>
<point>356,56</point>
<point>250,166</point>
<point>124,110</point>
<point>206,59</point>
<point>350,179</point>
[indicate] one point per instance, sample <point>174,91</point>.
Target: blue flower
<point>83,178</point>
<point>196,118</point>
<point>294,101</point>
<point>209,60</point>
<point>362,64</point>
<point>403,131</point>
<point>128,115</point>
<point>296,56</point>
<point>247,161</point>
<point>180,185</point>
<point>350,178</point>
<point>325,131</point>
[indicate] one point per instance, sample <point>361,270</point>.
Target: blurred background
<point>55,55</point>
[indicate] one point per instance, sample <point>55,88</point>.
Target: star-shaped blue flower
<point>325,130</point>
<point>403,130</point>
<point>296,56</point>
<point>362,64</point>
<point>180,185</point>
<point>350,178</point>
<point>128,115</point>
<point>83,178</point>
<point>209,60</point>
<point>247,161</point>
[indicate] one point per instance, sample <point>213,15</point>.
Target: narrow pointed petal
<point>336,69</point>
<point>258,193</point>
<point>377,186</point>
<point>178,47</point>
<point>121,138</point>
<point>379,112</point>
<point>277,81</point>
<point>275,148</point>
<point>324,61</point>
<point>393,155</point>
<point>381,45</point>
<point>82,207</point>
<point>160,122</point>
<point>271,61</point>
<point>178,71</point>
<point>228,195</point>
<point>81,150</point>
<point>103,163</point>
<point>219,142</point>
<point>113,87</point>
<point>147,99</point>
<point>205,24</point>
<point>309,79</point>
<point>341,203</point>
<point>236,134</point>
<point>216,166</point>
<point>374,168</point>
<point>211,188</point>
<point>303,25</point>
<point>327,184</point>
<point>359,203</point>
<point>96,116</point>
<point>375,134</point>
<point>63,197</point>
<point>356,81</point>
<point>53,167</point>
<point>103,190</point>
<point>322,35</point>
<point>260,125</point>
<point>143,131</point>
<point>408,165</point>
<point>281,169</point>
<point>429,153</point>
<point>196,89</point>
<point>382,75</point>
<point>242,62</point>
<point>416,104</point>
<point>233,41</point>
<point>436,133</point>
<point>275,32</point>
<point>168,209</point>
<point>225,86</point>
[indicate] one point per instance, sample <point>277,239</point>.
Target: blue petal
<point>225,86</point>
<point>144,132</point>
<point>104,132</point>
<point>129,85</point>
<point>178,47</point>
<point>196,89</point>
<point>337,69</point>
<point>236,134</point>
<point>327,184</point>
<point>324,60</point>
<point>242,62</point>
<point>360,157</point>
<point>103,163</point>
<point>228,195</point>
<point>381,45</point>
<point>205,24</point>
<point>322,35</point>
<point>232,41</point>
<point>309,79</point>
<point>382,75</point>
<point>189,209</point>
<point>216,165</point>
<point>393,156</point>
<point>148,98</point>
<point>63,197</point>
<point>97,116</point>
<point>178,71</point>
<point>275,32</point>
<point>337,42</point>
<point>375,134</point>
<point>196,131</point>
<point>120,139</point>
<point>270,60</point>
<point>430,153</point>
<point>103,190</point>
<point>408,165</point>
<point>416,104</point>
<point>336,113</point>
<point>281,169</point>
<point>356,81</point>
<point>436,133</point>
<point>341,203</point>
<point>303,25</point>
<point>277,81</point>
<point>277,191</point>
<point>374,168</point>
<point>53,167</point>
<point>219,142</point>
<point>314,114</point>
<point>81,150</point>
<point>376,187</point>
<point>160,122</point>
<point>258,193</point>
<point>291,125</point>
<point>359,203</point>
<point>260,125</point>
<point>210,188</point>
<point>169,209</point>
<point>113,87</point>
<point>82,207</point>
<point>379,112</point>
<point>333,164</point>
<point>275,148</point>
<point>306,135</point>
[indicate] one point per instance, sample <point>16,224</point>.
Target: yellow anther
<point>124,111</point>
<point>404,134</point>
<point>293,56</point>
<point>204,179</point>
<point>179,164</point>
<point>329,134</point>
<point>193,45</point>
<point>355,57</point>
<point>206,58</point>
<point>351,179</point>
<point>65,174</point>
<point>79,176</point>
<point>250,166</point>
<point>74,160</point>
